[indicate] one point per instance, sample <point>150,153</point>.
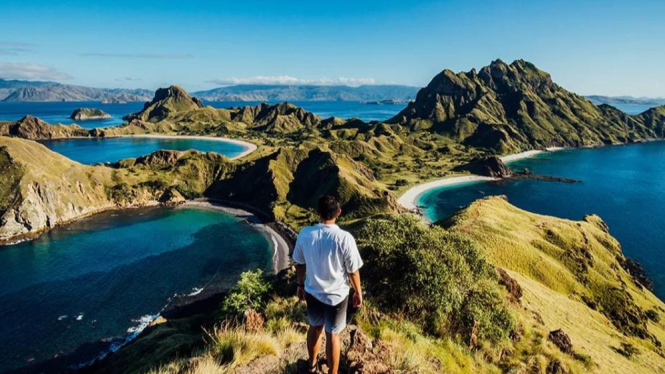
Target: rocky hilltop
<point>510,107</point>
<point>88,114</point>
<point>30,127</point>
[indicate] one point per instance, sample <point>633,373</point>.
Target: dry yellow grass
<point>537,251</point>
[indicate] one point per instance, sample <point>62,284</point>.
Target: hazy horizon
<point>594,48</point>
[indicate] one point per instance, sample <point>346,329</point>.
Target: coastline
<point>409,199</point>
<point>249,147</point>
<point>278,244</point>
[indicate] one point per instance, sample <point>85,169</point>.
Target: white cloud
<point>139,55</point>
<point>20,70</point>
<point>289,80</point>
<point>131,79</point>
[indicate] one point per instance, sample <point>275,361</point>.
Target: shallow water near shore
<point>104,276</point>
<point>624,185</point>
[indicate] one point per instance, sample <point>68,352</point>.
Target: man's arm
<point>301,270</point>
<point>354,279</point>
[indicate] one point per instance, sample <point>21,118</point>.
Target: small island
<point>88,114</point>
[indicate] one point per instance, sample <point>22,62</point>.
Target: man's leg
<point>335,317</point>
<point>316,317</point>
<point>332,352</point>
<point>314,343</point>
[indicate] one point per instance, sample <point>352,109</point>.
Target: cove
<point>624,185</point>
<point>102,150</point>
<point>98,279</point>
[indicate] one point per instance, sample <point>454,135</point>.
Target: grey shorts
<point>320,314</point>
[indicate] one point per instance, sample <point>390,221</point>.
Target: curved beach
<point>249,147</point>
<point>409,199</point>
<point>278,244</point>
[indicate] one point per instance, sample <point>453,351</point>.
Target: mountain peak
<point>167,100</point>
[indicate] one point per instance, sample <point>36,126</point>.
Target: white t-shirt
<point>330,255</point>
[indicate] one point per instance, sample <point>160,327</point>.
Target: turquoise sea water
<point>94,150</point>
<point>96,279</point>
<point>625,185</point>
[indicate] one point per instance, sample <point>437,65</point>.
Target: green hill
<point>514,107</point>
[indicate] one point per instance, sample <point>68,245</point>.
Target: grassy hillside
<point>572,277</point>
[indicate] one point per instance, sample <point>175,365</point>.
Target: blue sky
<point>590,47</point>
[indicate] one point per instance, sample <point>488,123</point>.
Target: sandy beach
<point>409,198</point>
<point>279,246</point>
<point>249,147</point>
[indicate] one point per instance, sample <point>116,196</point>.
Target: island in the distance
<point>89,114</point>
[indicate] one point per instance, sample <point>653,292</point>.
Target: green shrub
<point>249,293</point>
<point>432,276</point>
<point>653,315</point>
<point>483,306</point>
<point>627,350</point>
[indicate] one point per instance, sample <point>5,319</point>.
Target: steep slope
<point>572,276</point>
<point>46,189</point>
<point>514,107</point>
<point>288,182</point>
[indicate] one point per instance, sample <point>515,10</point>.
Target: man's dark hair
<point>328,207</point>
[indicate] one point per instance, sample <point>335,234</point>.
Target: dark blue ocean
<point>104,277</point>
<point>625,185</point>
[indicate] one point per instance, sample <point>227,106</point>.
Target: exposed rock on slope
<point>517,106</point>
<point>45,189</point>
<point>490,167</point>
<point>41,189</point>
<point>86,114</point>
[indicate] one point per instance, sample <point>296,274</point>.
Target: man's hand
<point>357,300</point>
<point>301,293</point>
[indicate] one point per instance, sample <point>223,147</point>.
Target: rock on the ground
<point>561,340</point>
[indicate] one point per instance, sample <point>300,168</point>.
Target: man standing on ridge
<point>328,261</point>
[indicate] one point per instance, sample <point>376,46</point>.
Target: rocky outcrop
<point>489,167</point>
<point>88,114</point>
<point>30,127</point>
<point>511,107</point>
<point>561,340</point>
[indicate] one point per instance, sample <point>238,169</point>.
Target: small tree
<point>249,293</point>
